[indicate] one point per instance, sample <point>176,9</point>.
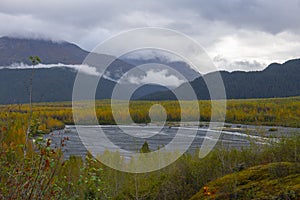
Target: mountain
<point>56,83</point>
<point>277,80</point>
<point>183,68</point>
<point>17,50</point>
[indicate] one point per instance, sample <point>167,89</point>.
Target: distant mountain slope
<point>16,50</point>
<point>14,85</point>
<point>277,80</point>
<point>183,68</point>
<point>54,84</point>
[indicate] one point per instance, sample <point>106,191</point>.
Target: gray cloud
<point>161,77</point>
<point>90,70</point>
<point>271,28</point>
<point>266,15</point>
<point>239,65</point>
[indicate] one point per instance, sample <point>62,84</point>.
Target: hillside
<point>183,68</point>
<point>49,85</point>
<point>271,181</point>
<point>55,83</point>
<point>277,80</point>
<point>16,50</point>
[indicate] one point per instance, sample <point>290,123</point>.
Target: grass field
<point>41,173</point>
<point>274,112</point>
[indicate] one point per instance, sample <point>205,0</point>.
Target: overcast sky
<point>238,35</point>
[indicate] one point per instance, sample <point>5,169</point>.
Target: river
<point>232,136</point>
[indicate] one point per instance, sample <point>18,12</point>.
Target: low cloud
<point>161,77</point>
<point>238,65</point>
<point>148,54</point>
<point>83,68</point>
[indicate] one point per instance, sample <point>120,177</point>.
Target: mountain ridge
<point>276,80</point>
<point>17,50</point>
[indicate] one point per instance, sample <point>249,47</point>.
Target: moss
<point>272,181</point>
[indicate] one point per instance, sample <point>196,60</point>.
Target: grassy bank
<point>43,174</point>
<point>273,112</point>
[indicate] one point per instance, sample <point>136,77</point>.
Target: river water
<point>156,137</point>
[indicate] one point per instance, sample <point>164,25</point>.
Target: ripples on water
<point>158,138</point>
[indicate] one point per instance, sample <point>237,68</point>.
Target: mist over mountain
<point>54,78</point>
<point>277,80</point>
<point>14,51</point>
<point>183,68</point>
<point>17,50</point>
